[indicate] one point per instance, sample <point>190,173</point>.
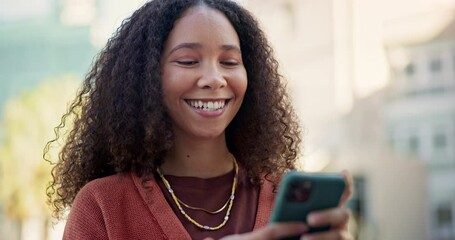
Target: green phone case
<point>301,193</point>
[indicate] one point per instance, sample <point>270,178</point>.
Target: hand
<point>270,232</point>
<point>337,218</point>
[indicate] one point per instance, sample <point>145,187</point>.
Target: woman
<point>182,130</point>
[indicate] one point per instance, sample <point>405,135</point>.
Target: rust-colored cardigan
<point>115,207</point>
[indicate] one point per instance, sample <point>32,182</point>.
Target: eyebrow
<point>186,45</point>
<point>231,47</point>
<point>226,47</point>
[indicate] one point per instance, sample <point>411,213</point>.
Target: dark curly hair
<point>120,123</point>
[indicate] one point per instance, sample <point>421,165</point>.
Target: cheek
<point>173,83</point>
<point>240,84</point>
<point>168,80</point>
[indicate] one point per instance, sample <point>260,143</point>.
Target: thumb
<point>349,187</point>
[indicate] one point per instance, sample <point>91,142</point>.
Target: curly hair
<point>120,124</point>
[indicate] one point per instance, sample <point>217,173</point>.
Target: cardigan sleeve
<point>85,220</point>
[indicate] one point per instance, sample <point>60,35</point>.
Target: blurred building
<point>302,33</point>
<point>399,141</point>
<point>389,201</point>
<point>420,109</point>
<point>314,41</point>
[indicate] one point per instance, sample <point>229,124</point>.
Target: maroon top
<point>124,206</point>
<point>211,194</point>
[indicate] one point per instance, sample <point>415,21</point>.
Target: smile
<point>207,105</point>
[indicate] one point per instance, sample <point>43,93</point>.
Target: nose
<point>212,78</point>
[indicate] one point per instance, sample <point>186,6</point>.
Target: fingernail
<point>312,219</point>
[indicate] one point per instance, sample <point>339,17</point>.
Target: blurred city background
<point>373,82</point>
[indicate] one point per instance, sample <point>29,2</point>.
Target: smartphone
<point>301,193</point>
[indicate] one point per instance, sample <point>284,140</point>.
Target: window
<point>444,221</point>
<point>358,202</point>
<point>453,59</point>
<point>409,70</point>
<point>436,66</point>
<point>453,65</point>
<point>444,218</point>
<point>444,214</point>
<point>413,144</point>
<point>439,141</point>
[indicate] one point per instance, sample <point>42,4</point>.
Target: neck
<point>204,158</point>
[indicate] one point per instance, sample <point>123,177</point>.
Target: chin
<point>209,133</point>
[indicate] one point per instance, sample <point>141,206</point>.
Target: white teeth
<point>207,106</point>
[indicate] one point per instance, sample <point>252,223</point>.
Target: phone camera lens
<point>299,191</point>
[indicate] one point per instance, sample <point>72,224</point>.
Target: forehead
<point>203,23</point>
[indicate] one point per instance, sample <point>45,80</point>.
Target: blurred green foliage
<point>28,123</point>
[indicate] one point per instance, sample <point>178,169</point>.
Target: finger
<point>335,217</point>
<point>329,235</point>
<point>349,187</point>
<point>279,230</point>
<point>272,231</point>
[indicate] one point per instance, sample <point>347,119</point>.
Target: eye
<point>187,62</point>
<point>229,63</point>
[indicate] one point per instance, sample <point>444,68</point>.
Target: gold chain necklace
<point>230,200</point>
<point>203,209</point>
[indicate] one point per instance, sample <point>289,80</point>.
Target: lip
<point>207,99</point>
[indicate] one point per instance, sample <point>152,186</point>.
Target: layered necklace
<point>228,203</point>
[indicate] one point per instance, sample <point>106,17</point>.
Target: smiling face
<point>203,76</point>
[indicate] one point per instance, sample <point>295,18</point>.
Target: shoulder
<point>99,209</point>
<point>111,182</point>
<point>86,218</point>
<point>105,190</point>
<point>106,185</point>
